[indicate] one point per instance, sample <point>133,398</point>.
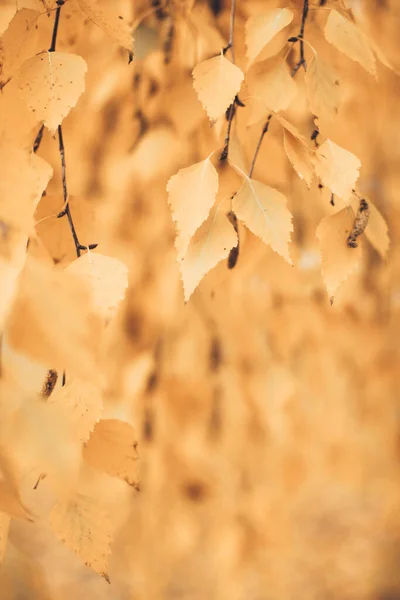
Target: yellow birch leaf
<point>23,178</point>
<point>51,84</point>
<point>19,42</point>
<point>107,279</point>
<point>338,260</point>
<point>82,525</point>
<point>272,90</point>
<point>49,321</point>
<point>4,528</point>
<point>263,210</point>
<point>81,402</point>
<point>261,29</point>
<point>217,81</point>
<point>299,156</point>
<point>347,37</point>
<point>322,88</point>
<point>337,168</point>
<point>106,17</point>
<point>112,448</point>
<point>211,244</point>
<point>292,129</point>
<point>192,192</point>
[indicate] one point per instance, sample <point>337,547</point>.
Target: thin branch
<point>66,211</point>
<point>55,28</point>
<point>302,61</point>
<point>264,131</point>
<point>232,108</point>
<point>38,139</point>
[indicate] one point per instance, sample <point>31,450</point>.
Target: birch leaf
<point>107,18</point>
<point>261,29</point>
<point>211,244</point>
<point>51,84</point>
<point>322,88</point>
<point>272,90</point>
<point>112,448</point>
<point>263,210</point>
<point>217,81</point>
<point>337,168</point>
<point>338,260</point>
<point>84,527</point>
<point>192,192</point>
<point>19,42</point>
<point>299,156</point>
<point>107,279</point>
<point>347,37</point>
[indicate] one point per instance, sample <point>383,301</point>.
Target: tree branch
<point>66,211</point>
<point>232,108</point>
<point>302,61</point>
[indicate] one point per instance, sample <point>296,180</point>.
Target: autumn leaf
<point>338,260</point>
<point>107,18</point>
<point>81,403</point>
<point>299,156</point>
<point>261,29</point>
<point>211,244</point>
<point>192,192</point>
<point>20,41</point>
<point>272,90</point>
<point>217,81</point>
<point>82,525</point>
<point>112,448</point>
<point>51,84</point>
<point>106,278</point>
<point>350,40</point>
<point>337,168</point>
<point>263,210</point>
<point>322,88</point>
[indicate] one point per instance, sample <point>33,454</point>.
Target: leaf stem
<point>264,131</point>
<point>302,61</point>
<point>232,108</point>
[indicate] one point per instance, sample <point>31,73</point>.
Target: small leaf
<point>84,527</point>
<point>337,168</point>
<point>261,29</point>
<point>211,244</point>
<point>112,448</point>
<point>192,192</point>
<point>51,84</point>
<point>272,90</point>
<point>106,277</point>
<point>107,18</point>
<point>217,81</point>
<point>263,210</point>
<point>322,88</point>
<point>338,260</point>
<point>299,156</point>
<point>348,38</point>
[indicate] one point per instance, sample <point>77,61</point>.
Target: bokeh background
<point>267,420</point>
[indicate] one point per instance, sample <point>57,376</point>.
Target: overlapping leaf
<point>261,29</point>
<point>192,192</point>
<point>337,168</point>
<point>51,84</point>
<point>217,81</point>
<point>322,88</point>
<point>263,210</point>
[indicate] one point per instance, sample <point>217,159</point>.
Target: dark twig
<point>38,139</point>
<point>66,211</point>
<point>264,131</point>
<point>55,28</point>
<point>232,108</point>
<point>302,61</point>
